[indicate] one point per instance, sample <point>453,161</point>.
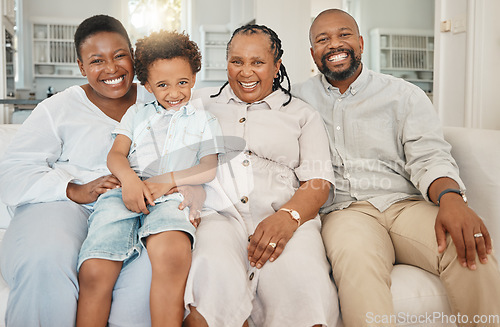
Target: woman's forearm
<point>309,198</point>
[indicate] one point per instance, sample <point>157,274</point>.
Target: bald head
<point>331,15</point>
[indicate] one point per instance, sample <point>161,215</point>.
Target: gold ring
<point>272,244</point>
<point>478,235</point>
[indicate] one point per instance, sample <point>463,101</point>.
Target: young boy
<point>158,146</point>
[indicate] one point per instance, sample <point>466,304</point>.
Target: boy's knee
<point>99,274</point>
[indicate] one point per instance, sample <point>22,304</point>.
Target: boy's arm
<point>202,173</point>
<point>134,191</point>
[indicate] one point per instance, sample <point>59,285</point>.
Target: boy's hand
<point>158,189</point>
<point>136,196</point>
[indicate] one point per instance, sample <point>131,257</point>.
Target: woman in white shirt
<point>53,171</point>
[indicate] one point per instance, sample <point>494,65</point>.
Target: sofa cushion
<point>416,295</point>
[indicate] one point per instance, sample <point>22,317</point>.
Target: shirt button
<point>245,162</point>
<point>244,199</point>
<point>338,128</point>
<point>339,100</point>
<point>248,152</point>
<point>251,276</point>
<point>347,175</point>
<point>148,128</point>
<point>355,195</point>
<point>242,120</point>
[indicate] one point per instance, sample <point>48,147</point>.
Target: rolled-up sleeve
<point>126,125</point>
<point>428,155</point>
<point>314,162</point>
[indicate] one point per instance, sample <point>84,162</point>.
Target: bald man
<point>398,197</point>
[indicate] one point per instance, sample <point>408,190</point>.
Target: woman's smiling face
<point>250,67</point>
<point>107,63</point>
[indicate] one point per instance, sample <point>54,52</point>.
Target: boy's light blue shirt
<point>191,134</point>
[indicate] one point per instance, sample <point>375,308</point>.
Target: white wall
<point>403,14</point>
<point>290,19</point>
<point>59,11</point>
<point>466,85</point>
<point>450,63</point>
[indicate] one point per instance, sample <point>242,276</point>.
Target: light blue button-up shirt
<point>386,139</point>
<point>169,140</point>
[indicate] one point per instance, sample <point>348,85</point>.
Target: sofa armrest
<point>477,152</point>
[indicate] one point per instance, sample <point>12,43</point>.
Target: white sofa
<point>415,291</point>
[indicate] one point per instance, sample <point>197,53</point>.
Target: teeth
<point>248,85</point>
<point>113,81</point>
<point>338,57</point>
<point>173,103</point>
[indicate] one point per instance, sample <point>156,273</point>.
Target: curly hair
<point>165,45</point>
<point>96,24</point>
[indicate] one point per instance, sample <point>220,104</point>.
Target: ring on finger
<point>477,235</point>
<point>272,244</point>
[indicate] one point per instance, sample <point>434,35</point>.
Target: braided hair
<point>277,52</point>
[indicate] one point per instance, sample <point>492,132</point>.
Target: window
<point>147,16</point>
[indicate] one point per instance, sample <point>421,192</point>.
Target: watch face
<point>295,214</point>
<point>464,197</point>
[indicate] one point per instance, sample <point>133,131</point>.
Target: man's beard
<point>341,75</point>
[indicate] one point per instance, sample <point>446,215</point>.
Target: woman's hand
<point>88,193</point>
<point>194,198</point>
<point>276,229</point>
<point>136,196</point>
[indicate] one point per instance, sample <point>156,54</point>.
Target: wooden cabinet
<point>214,40</point>
<point>54,52</point>
<point>408,54</point>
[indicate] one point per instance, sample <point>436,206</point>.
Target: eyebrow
<point>100,55</point>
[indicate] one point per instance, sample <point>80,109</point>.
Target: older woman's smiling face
<point>250,66</point>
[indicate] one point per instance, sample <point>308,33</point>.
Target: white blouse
<point>65,139</point>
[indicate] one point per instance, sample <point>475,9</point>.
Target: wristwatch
<point>452,190</point>
<point>294,214</point>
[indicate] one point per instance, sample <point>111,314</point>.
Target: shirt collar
<point>274,100</point>
<point>187,109</point>
<point>353,88</point>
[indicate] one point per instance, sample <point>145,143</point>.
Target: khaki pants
<point>362,245</point>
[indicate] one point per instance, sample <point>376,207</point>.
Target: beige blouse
<point>269,148</point>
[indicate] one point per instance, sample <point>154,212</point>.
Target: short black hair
<point>96,24</point>
<point>165,45</point>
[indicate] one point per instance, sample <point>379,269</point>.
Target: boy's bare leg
<point>170,256</point>
<point>97,278</point>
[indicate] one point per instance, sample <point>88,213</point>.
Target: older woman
<point>263,260</point>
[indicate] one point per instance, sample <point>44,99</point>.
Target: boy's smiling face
<point>171,80</point>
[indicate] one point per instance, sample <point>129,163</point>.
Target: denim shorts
<point>116,233</point>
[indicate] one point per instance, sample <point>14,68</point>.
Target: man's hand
<point>270,237</point>
<point>194,198</point>
<point>456,218</point>
<point>88,193</point>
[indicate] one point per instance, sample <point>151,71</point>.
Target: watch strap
<point>451,190</point>
<point>291,212</point>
